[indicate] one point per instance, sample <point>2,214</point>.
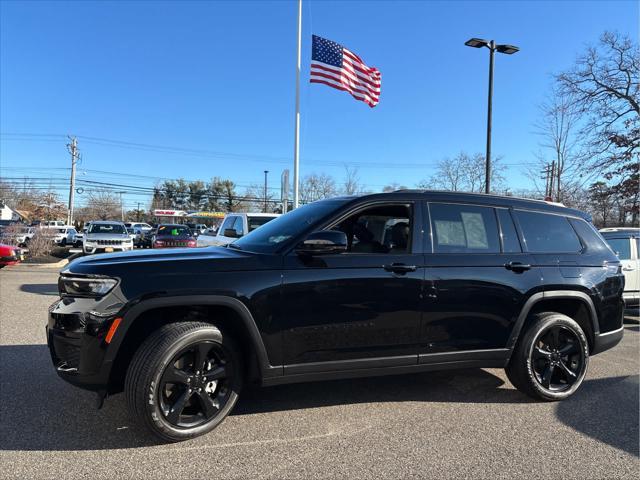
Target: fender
<point>540,296</point>
<point>266,369</point>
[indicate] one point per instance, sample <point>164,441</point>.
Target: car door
<point>360,308</point>
<point>476,282</point>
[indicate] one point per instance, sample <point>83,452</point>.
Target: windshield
<point>112,228</point>
<point>271,236</point>
<point>174,230</point>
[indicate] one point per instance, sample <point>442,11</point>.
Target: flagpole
<point>296,141</point>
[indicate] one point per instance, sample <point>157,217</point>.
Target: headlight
<point>85,287</point>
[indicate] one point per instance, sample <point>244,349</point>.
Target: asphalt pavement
<point>455,424</point>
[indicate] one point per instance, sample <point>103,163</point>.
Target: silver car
<point>105,237</point>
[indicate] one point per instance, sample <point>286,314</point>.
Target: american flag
<point>334,65</point>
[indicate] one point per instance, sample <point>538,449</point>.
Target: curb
<point>57,265</point>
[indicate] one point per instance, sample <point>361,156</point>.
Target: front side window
<point>621,247</point>
<point>547,233</point>
<point>463,229</point>
<point>228,223</point>
<point>238,227</point>
<point>379,229</point>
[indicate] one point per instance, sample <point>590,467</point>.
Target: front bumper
<point>75,337</point>
<point>91,249</point>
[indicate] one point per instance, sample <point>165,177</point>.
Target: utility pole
<point>121,206</point>
<point>549,172</point>
<point>266,172</point>
<point>73,150</point>
<point>138,212</point>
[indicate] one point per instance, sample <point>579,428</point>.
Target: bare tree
<point>604,86</point>
<point>254,198</point>
<point>102,204</point>
<point>559,141</point>
<point>351,185</point>
<point>465,173</point>
<point>316,187</point>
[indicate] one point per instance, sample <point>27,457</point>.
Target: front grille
<point>109,242</point>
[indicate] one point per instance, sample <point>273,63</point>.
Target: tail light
<point>191,243</point>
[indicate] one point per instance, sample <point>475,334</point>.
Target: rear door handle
<point>517,266</point>
<point>400,268</point>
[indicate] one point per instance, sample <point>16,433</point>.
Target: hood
<point>137,264</point>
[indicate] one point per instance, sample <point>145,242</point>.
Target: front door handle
<point>517,266</point>
<point>628,269</point>
<point>399,268</point>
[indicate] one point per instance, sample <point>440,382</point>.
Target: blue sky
<point>219,77</point>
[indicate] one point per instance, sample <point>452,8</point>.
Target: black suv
<point>382,284</point>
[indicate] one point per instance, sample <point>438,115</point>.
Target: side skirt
<point>312,372</point>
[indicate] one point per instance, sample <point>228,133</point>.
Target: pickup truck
<point>234,226</point>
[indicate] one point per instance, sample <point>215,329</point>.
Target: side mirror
<point>324,242</point>
<point>231,233</point>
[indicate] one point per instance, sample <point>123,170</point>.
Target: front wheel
<point>184,380</point>
<point>550,360</point>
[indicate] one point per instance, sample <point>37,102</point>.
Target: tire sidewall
<point>561,320</point>
<point>151,402</point>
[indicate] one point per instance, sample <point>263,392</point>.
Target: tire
<point>551,358</point>
<point>169,354</point>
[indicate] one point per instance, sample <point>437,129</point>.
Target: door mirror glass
<point>231,233</point>
<point>324,242</point>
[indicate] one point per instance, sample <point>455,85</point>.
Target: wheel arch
<point>149,315</point>
<point>575,304</point>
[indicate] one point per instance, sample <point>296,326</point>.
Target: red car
<point>10,255</point>
<point>172,236</point>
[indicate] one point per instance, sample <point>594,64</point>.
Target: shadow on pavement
<point>606,409</point>
<point>40,288</point>
<point>41,412</point>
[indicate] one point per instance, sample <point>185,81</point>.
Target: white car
<point>234,226</point>
<point>625,242</point>
<point>23,236</point>
<point>64,236</point>
<point>106,237</point>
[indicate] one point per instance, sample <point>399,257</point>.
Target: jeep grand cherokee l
<point>381,284</point>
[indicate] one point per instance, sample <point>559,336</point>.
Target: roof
<point>105,222</point>
<point>477,198</point>
<point>620,232</point>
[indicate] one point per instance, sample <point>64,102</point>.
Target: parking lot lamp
<point>508,50</point>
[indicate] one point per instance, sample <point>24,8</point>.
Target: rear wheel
<point>551,358</point>
<point>184,380</point>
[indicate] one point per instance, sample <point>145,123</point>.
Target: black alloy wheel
<point>551,357</point>
<point>557,358</point>
<point>194,386</point>
<point>184,380</point>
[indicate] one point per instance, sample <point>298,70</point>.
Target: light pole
<point>121,206</point>
<point>266,172</point>
<point>509,50</point>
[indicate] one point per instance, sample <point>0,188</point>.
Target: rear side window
<point>463,229</point>
<point>545,233</point>
<point>591,238</point>
<point>621,247</point>
<point>510,241</point>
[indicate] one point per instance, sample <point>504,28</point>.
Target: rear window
<point>463,229</point>
<point>255,222</point>
<point>546,233</point>
<point>621,247</point>
<point>590,236</point>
